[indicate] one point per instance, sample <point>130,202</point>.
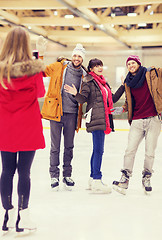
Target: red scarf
<point>102,84</point>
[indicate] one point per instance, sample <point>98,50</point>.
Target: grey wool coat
<point>91,94</point>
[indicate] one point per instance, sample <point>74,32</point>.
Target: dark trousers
<point>21,161</point>
<point>68,125</point>
<point>98,137</point>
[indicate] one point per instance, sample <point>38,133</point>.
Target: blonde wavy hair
<point>16,48</point>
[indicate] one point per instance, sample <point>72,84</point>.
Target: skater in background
<point>144,108</point>
<point>62,111</point>
<point>21,83</point>
<point>96,92</point>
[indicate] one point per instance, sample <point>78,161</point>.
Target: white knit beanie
<point>79,50</point>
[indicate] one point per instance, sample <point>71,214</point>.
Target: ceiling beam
<point>10,19</point>
<point>97,26</point>
<point>114,3</point>
<point>122,20</point>
<point>78,21</point>
<point>52,21</point>
<point>54,4</point>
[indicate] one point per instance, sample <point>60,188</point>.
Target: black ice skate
<point>54,184</point>
<point>122,185</point>
<point>68,183</point>
<point>146,181</point>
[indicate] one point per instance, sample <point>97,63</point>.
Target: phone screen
<point>36,54</point>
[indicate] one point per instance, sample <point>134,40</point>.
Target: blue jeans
<point>149,129</point>
<point>98,137</point>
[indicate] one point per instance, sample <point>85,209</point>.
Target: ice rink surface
<point>81,215</point>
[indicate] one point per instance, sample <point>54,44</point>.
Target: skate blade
<point>26,232</point>
<point>119,190</point>
<point>98,191</point>
<point>55,189</point>
<point>148,193</point>
<point>7,232</point>
<point>67,188</point>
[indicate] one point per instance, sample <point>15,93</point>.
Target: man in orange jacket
<point>62,110</point>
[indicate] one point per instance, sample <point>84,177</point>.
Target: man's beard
<point>78,66</point>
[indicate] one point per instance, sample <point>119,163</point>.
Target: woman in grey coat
<point>96,92</point>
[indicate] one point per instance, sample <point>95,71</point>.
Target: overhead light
<point>101,26</point>
<point>105,67</point>
<point>86,26</point>
<point>55,13</point>
<point>69,16</point>
<point>131,14</point>
<point>112,14</point>
<point>142,24</point>
<point>112,25</point>
<point>29,27</point>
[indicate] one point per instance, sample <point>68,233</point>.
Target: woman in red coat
<point>21,83</point>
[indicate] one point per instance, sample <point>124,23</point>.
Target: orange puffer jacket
<point>52,107</point>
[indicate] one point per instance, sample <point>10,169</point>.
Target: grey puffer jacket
<point>91,94</point>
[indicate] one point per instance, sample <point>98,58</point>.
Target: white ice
<point>81,215</point>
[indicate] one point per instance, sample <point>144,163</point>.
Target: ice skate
<point>24,222</point>
<point>122,185</point>
<point>54,184</point>
<point>90,183</point>
<point>146,182</point>
<point>99,188</point>
<point>9,219</point>
<point>68,183</point>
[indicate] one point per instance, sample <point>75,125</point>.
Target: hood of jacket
<point>27,68</point>
<point>88,78</point>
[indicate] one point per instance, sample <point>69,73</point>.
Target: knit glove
<point>41,45</point>
<point>116,110</point>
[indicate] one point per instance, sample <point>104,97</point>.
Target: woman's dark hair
<point>93,63</point>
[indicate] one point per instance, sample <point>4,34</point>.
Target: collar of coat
<point>28,68</point>
<point>88,78</point>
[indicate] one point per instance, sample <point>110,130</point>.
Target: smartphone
<point>36,54</point>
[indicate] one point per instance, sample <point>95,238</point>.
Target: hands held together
<point>116,110</point>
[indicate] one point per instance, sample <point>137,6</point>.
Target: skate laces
<point>123,178</point>
<point>146,181</point>
<point>54,180</point>
<point>68,179</point>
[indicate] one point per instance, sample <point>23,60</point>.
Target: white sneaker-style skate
<point>90,183</point>
<point>99,187</point>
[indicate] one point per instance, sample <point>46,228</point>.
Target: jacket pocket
<point>88,115</point>
<point>50,107</point>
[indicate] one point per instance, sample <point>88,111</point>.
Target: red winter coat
<point>20,119</point>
